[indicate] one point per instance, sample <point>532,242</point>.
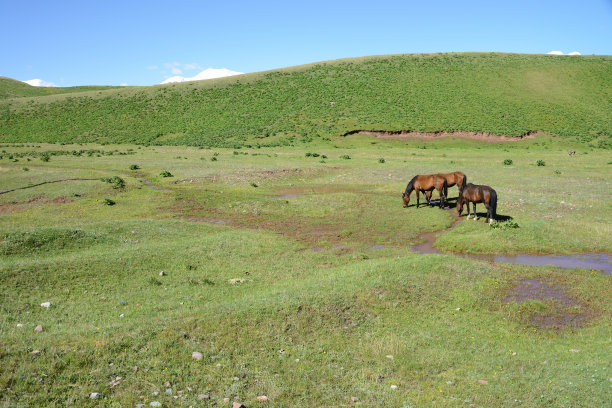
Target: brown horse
<point>455,178</point>
<point>472,193</point>
<point>426,183</point>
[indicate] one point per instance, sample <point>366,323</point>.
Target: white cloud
<point>561,53</point>
<point>208,73</point>
<point>176,71</point>
<point>39,82</point>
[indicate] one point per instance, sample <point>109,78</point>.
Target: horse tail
<point>410,185</point>
<point>464,183</point>
<point>494,203</point>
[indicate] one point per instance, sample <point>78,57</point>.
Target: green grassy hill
<point>508,94</point>
<point>11,88</point>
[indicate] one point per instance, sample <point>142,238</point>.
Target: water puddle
<point>599,262</point>
<point>148,183</point>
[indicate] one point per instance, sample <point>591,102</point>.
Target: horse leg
<point>475,215</point>
<point>417,194</point>
<point>490,213</point>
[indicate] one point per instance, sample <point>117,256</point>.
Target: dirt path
<point>48,182</point>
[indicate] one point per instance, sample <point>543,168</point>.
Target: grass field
<point>505,94</point>
<point>290,270</point>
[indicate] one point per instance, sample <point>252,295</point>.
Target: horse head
<point>406,199</point>
<point>460,204</point>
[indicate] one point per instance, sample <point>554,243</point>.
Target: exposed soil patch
<point>408,134</point>
<point>535,289</point>
<point>561,310</point>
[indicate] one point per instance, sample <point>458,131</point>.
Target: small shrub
<point>381,160</point>
<point>508,162</point>
<point>308,154</point>
<point>504,225</point>
<point>26,169</point>
<point>134,167</point>
<point>213,158</point>
<point>345,157</point>
<point>44,157</point>
<point>108,201</point>
<point>323,156</point>
<point>166,173</point>
<point>115,181</point>
<point>541,163</point>
<point>557,172</point>
<point>254,185</point>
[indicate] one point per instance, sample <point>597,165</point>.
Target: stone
<point>203,396</point>
<point>46,304</point>
<point>226,399</point>
<point>35,352</point>
<point>19,325</point>
<point>95,395</point>
<point>237,405</point>
<point>354,399</point>
<point>38,328</point>
<point>162,273</point>
<point>262,398</point>
<point>483,381</point>
<point>394,387</point>
<point>196,355</point>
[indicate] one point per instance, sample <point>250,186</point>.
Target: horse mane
<point>410,186</point>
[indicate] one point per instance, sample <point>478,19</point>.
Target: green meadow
<point>289,269</point>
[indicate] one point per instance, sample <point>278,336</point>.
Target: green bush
<point>134,167</point>
<point>108,201</point>
<point>381,160</point>
<point>166,173</point>
<point>541,163</point>
<point>508,162</point>
<point>345,157</point>
<point>116,182</point>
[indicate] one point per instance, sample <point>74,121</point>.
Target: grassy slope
<point>507,94</point>
<point>10,88</point>
<point>314,322</point>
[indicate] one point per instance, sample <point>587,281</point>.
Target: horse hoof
<point>475,218</point>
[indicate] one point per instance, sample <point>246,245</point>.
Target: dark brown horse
<point>425,184</point>
<point>455,178</point>
<point>472,193</point>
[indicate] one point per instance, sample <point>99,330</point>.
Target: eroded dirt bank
<point>408,134</point>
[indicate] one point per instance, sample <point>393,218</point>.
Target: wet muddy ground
<point>600,262</point>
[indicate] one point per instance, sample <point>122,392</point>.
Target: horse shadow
<point>498,217</point>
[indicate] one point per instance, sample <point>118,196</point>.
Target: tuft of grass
<point>134,167</point>
<point>541,163</point>
<point>507,162</point>
<point>108,201</point>
<point>166,173</point>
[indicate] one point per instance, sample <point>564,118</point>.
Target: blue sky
<point>113,42</point>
